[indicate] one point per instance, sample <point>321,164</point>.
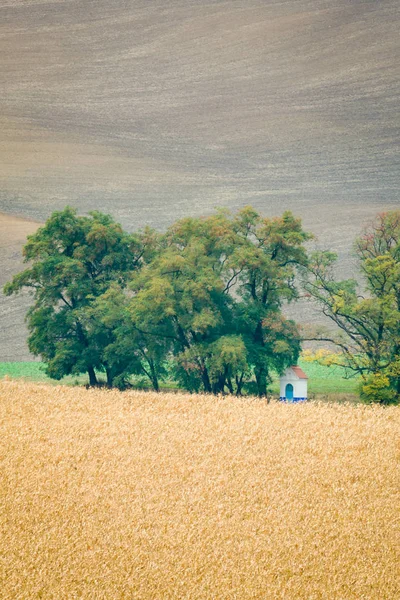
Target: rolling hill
<point>154,110</point>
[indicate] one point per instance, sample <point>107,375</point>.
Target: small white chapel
<point>293,385</point>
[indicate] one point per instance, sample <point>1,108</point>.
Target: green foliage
<point>179,300</point>
<point>263,263</point>
<point>205,297</point>
<point>215,293</point>
<point>73,261</point>
<point>369,320</point>
<point>376,388</point>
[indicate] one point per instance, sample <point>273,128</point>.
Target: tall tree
<point>127,351</point>
<point>206,297</point>
<point>72,261</point>
<point>263,267</point>
<point>367,315</point>
<point>216,293</point>
<point>179,297</point>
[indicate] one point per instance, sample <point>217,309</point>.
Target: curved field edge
<point>138,495</point>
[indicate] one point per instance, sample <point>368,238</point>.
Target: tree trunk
<point>206,381</point>
<point>155,384</point>
<point>154,378</point>
<point>229,385</point>
<point>219,385</point>
<point>260,371</point>
<point>261,379</point>
<point>239,384</point>
<point>92,377</point>
<point>398,387</point>
<point>110,378</point>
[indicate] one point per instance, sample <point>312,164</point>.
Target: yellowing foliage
<point>108,495</point>
<point>323,357</point>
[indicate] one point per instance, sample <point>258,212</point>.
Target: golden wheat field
<point>108,495</point>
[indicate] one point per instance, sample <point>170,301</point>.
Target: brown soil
<point>13,234</point>
<point>152,110</point>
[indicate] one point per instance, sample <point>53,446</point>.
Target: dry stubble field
<point>106,495</point>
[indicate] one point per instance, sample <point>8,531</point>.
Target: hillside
<point>152,110</point>
<point>13,233</point>
<point>109,495</point>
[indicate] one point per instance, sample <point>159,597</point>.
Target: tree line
<point>203,302</point>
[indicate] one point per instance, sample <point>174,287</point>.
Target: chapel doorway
<point>289,392</point>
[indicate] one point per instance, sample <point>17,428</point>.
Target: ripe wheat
<point>108,495</point>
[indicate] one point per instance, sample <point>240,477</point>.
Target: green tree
<point>206,298</point>
<point>263,268</point>
<point>72,261</point>
<point>128,351</point>
<point>215,293</point>
<point>180,298</point>
<point>228,364</point>
<point>367,316</point>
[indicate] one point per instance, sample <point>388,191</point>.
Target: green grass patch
<point>326,380</point>
<point>322,379</point>
<point>34,371</point>
<point>31,371</point>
